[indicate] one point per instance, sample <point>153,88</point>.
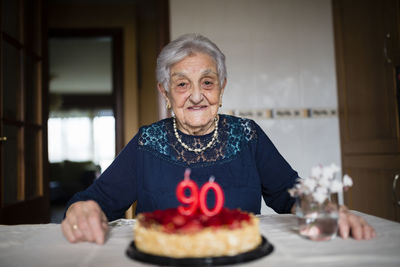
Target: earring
<point>220,104</point>
<point>168,105</point>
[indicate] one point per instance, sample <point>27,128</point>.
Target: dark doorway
<point>85,109</point>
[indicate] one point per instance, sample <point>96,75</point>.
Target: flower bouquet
<point>317,214</point>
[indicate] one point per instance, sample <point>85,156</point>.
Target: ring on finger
<point>75,227</point>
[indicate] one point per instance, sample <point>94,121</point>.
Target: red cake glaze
<point>173,222</point>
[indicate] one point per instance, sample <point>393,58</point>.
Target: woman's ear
<point>223,88</point>
<point>164,92</point>
<point>224,84</point>
<point>222,92</point>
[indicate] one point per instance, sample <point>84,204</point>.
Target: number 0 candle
<point>219,198</point>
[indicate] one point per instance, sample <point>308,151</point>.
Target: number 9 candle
<point>192,200</point>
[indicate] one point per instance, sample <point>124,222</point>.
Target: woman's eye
<point>181,84</point>
<point>208,83</point>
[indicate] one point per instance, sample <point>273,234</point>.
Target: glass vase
<point>317,221</point>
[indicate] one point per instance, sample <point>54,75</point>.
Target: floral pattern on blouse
<point>233,133</point>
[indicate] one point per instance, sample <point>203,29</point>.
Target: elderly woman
<point>191,75</point>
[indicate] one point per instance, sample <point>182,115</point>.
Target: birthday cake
<point>169,233</point>
<point>195,231</point>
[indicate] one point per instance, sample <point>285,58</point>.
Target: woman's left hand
<point>351,224</point>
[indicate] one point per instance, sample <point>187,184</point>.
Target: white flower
<point>329,171</point>
<point>335,168</point>
<point>310,184</point>
<point>320,195</point>
<point>336,186</point>
<point>321,183</point>
<point>324,181</point>
<point>347,181</point>
<point>316,171</point>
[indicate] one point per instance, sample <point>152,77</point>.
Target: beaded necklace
<point>197,150</point>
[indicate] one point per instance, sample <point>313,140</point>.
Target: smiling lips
<point>194,108</point>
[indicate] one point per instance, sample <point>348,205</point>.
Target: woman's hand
<point>85,221</point>
<point>351,224</point>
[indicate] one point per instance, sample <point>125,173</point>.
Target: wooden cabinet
<point>373,190</point>
<point>367,58</point>
<point>23,132</point>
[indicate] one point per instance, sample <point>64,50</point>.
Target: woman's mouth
<point>196,108</point>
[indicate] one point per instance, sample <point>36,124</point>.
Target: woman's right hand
<point>85,221</point>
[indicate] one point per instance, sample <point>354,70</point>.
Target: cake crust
<point>169,234</point>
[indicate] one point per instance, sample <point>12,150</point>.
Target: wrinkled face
<point>195,93</point>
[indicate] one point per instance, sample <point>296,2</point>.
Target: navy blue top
<point>243,161</point>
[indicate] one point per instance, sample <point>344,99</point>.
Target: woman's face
<point>195,93</point>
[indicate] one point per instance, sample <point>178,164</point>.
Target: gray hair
<point>184,46</point>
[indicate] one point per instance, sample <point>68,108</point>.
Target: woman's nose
<point>196,95</point>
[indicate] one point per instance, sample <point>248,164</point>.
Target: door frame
<point>116,35</point>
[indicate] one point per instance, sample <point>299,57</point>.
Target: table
<point>44,245</point>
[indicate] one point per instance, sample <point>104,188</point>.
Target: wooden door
<point>374,191</point>
<point>23,153</point>
<point>367,56</point>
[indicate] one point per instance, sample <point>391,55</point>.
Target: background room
<point>314,74</point>
<point>287,86</point>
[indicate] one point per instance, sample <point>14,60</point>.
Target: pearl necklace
<point>197,150</point>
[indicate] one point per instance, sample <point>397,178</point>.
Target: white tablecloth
<point>44,245</point>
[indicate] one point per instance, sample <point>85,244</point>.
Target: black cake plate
<point>262,250</point>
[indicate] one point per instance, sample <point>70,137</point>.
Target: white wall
<point>280,55</point>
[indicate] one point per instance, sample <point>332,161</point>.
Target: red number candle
<point>192,200</point>
<point>219,198</point>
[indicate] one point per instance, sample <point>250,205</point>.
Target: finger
<point>366,232</point>
<point>344,227</point>
<point>78,234</point>
<point>97,229</point>
<point>369,232</point>
<point>85,228</point>
<point>72,224</point>
<point>66,229</point>
<point>95,210</point>
<point>105,226</point>
<point>104,221</point>
<point>373,233</point>
<point>75,212</point>
<point>356,226</point>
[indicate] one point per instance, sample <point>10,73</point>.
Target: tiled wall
<point>281,69</point>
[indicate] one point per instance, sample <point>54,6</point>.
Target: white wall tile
<point>280,54</point>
